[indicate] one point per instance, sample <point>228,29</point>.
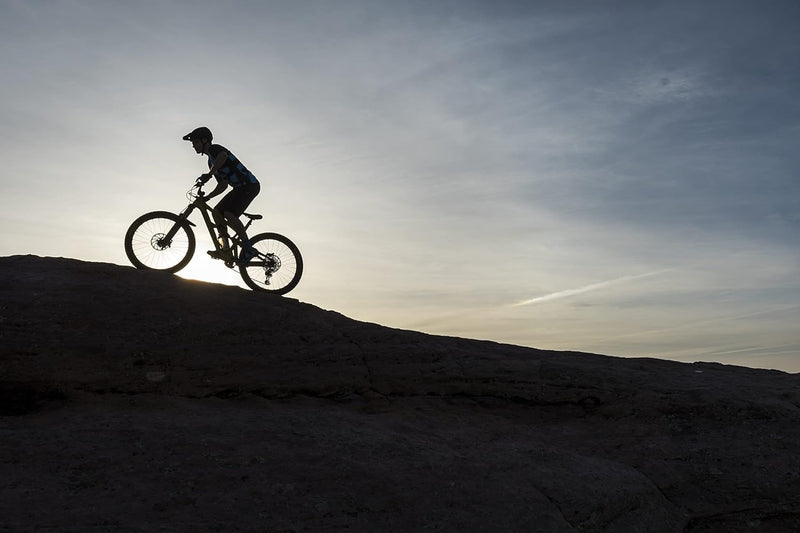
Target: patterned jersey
<point>233,172</point>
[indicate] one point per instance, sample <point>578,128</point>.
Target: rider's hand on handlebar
<point>198,184</point>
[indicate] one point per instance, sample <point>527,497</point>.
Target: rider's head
<point>201,139</point>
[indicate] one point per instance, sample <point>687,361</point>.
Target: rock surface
<point>138,401</point>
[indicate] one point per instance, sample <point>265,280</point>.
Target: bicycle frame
<point>205,210</point>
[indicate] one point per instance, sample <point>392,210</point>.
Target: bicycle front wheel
<point>276,268</point>
<point>160,241</point>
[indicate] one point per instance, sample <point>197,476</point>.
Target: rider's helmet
<point>199,133</point>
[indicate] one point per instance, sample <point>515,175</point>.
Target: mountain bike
<point>164,241</point>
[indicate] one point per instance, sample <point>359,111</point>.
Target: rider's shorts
<point>238,199</point>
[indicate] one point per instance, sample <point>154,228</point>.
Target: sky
<point>615,177</point>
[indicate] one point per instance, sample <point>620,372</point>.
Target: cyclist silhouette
<point>228,171</point>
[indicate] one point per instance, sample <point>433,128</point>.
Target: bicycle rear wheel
<point>276,268</point>
<point>148,247</point>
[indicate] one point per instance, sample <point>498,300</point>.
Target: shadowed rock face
<point>133,401</point>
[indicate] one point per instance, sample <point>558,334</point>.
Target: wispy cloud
<point>587,288</point>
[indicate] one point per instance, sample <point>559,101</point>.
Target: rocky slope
<point>137,401</point>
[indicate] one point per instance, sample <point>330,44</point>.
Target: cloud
<point>588,288</point>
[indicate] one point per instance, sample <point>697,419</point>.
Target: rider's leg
<point>246,252</point>
<point>230,209</point>
<point>240,199</point>
<point>224,251</point>
<point>221,221</point>
<point>234,222</point>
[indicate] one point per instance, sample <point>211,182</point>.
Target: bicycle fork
<point>182,218</point>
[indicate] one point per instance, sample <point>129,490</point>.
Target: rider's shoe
<point>224,254</point>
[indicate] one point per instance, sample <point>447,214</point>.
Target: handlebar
<point>191,194</point>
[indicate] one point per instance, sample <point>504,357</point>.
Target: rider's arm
<point>221,186</point>
<point>222,156</point>
<point>219,160</point>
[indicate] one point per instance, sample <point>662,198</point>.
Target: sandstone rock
<point>135,401</point>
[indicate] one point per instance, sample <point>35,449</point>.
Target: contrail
<point>587,288</point>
